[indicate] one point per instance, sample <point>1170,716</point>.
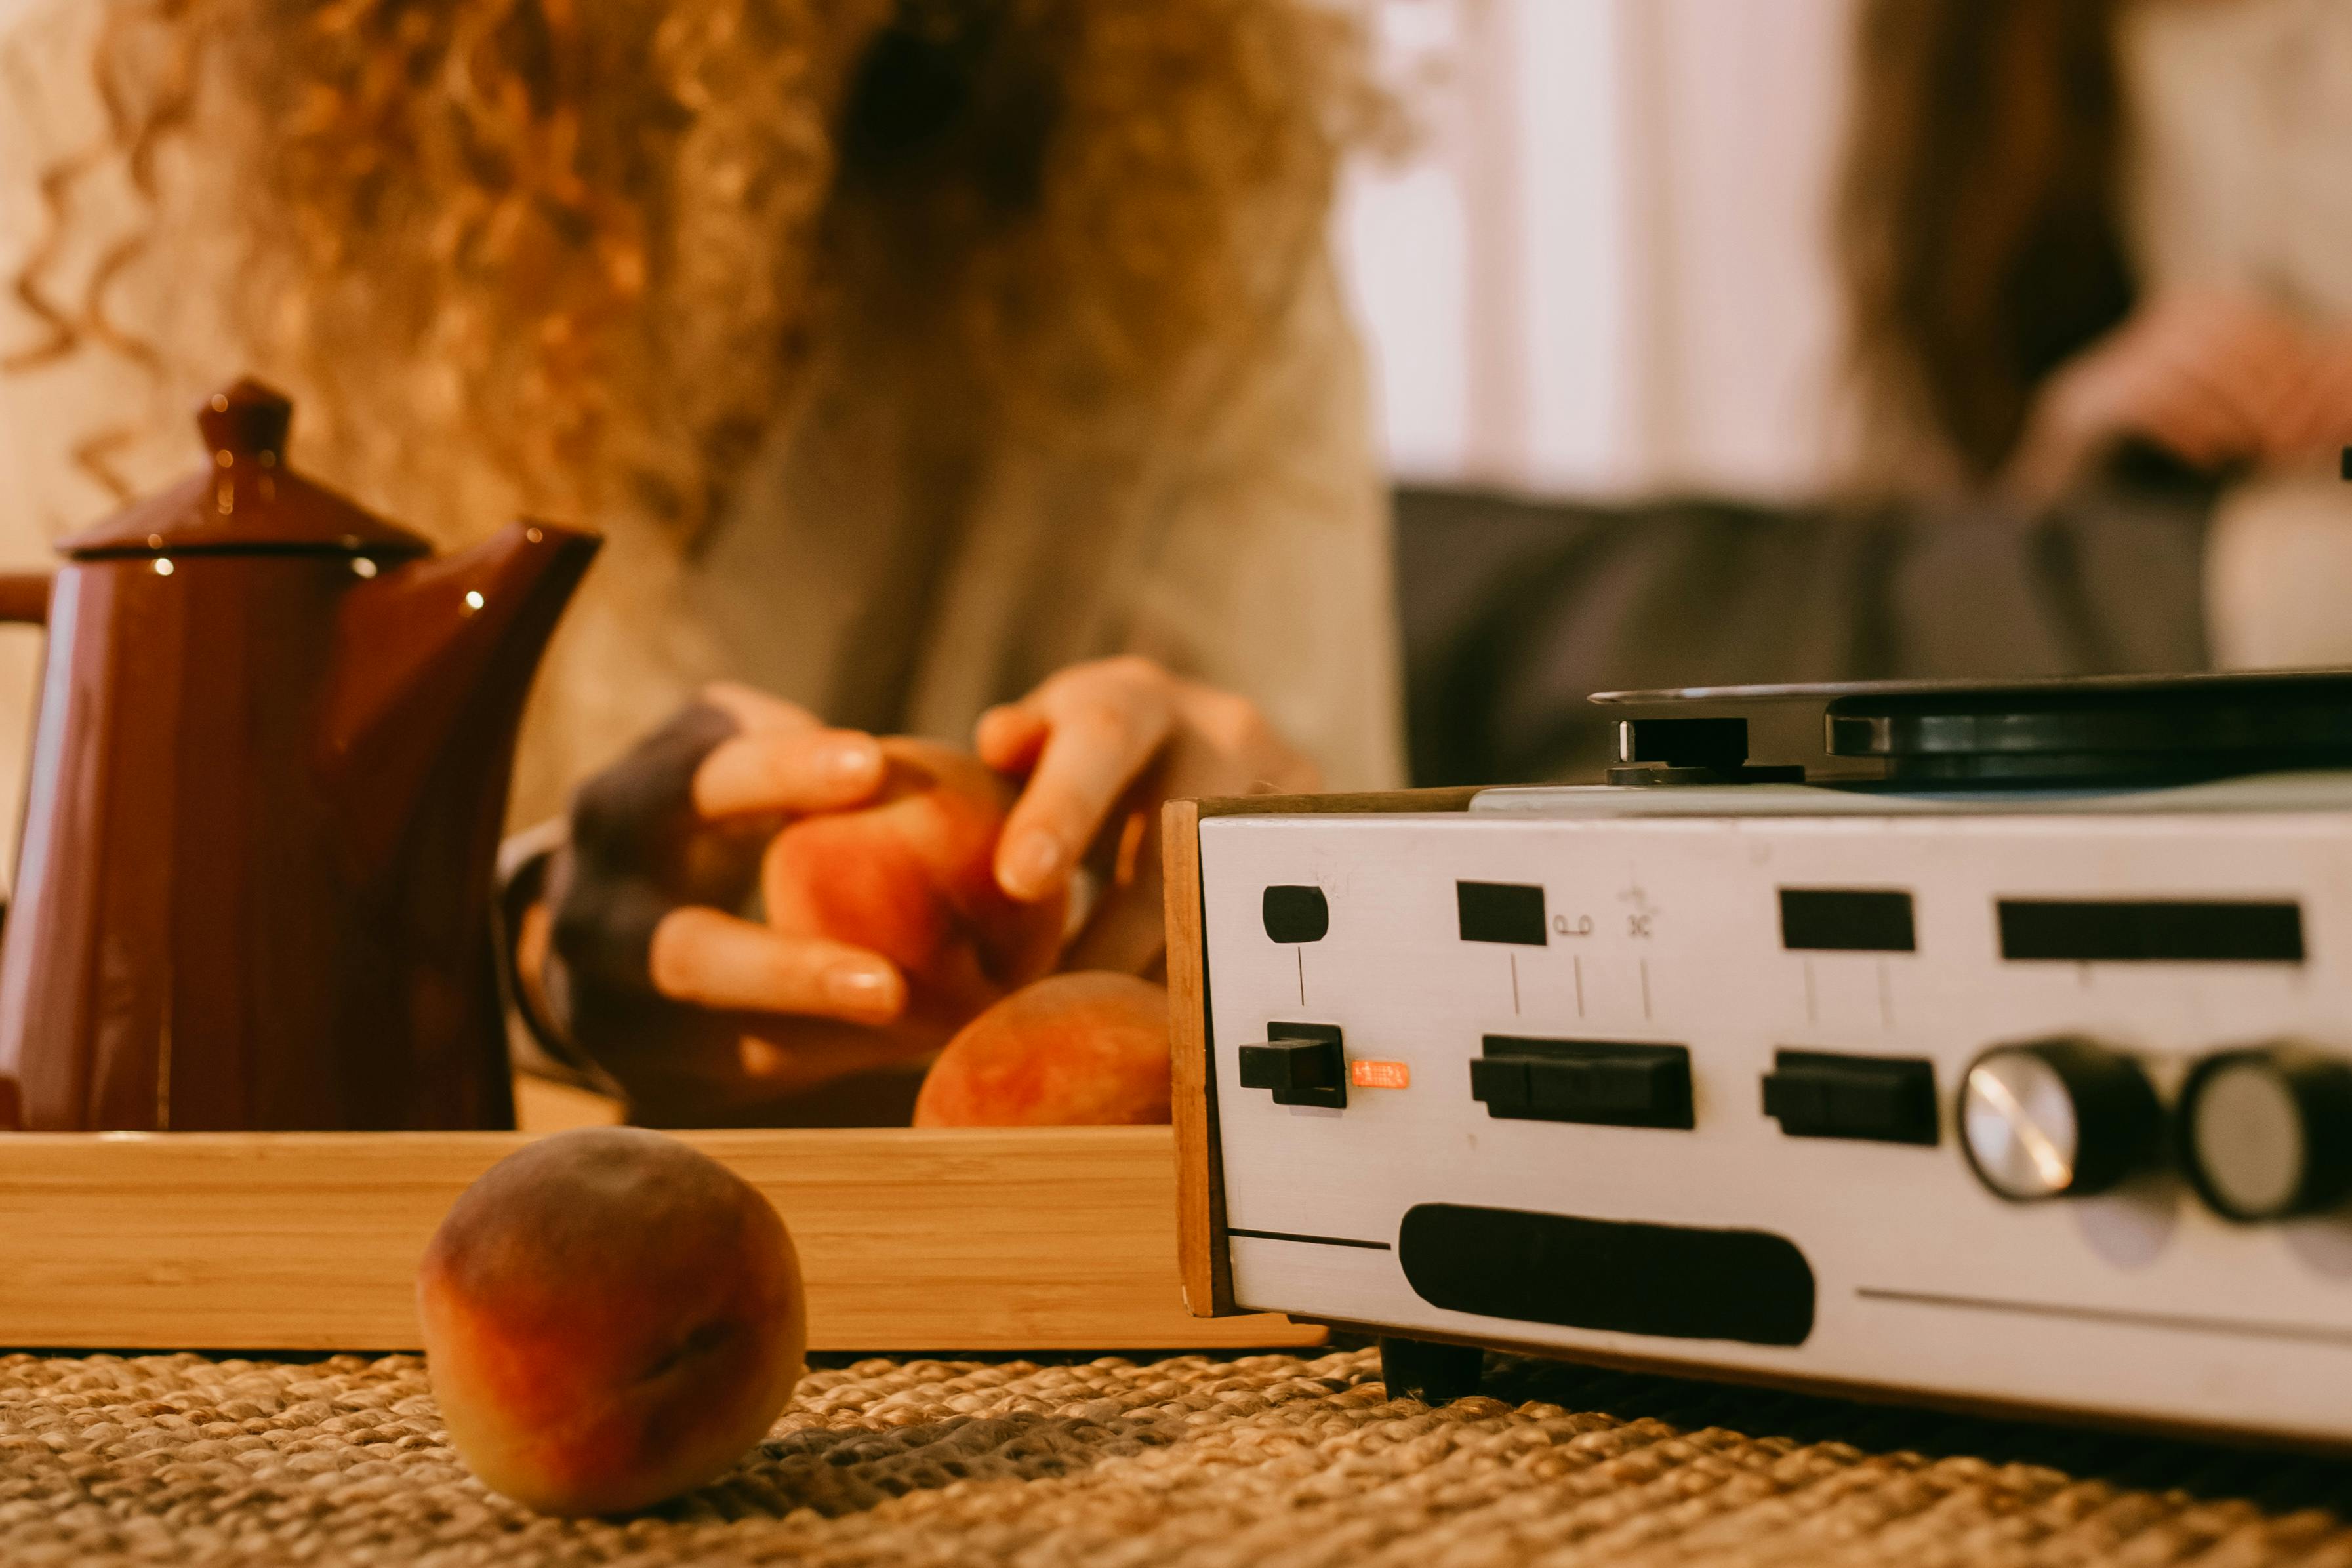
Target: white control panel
<point>1560,1024</point>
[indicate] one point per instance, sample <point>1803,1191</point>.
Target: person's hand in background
<point>2278,562</point>
<point>2318,422</point>
<point>2211,378</point>
<point>638,953</point>
<point>1101,746</point>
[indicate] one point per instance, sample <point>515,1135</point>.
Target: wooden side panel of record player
<point>1200,1186</point>
<point>1200,1174</point>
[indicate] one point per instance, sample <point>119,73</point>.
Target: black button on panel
<point>1608,1083</point>
<point>1882,1099</point>
<point>1296,913</point>
<point>1302,1064</point>
<point>1501,912</point>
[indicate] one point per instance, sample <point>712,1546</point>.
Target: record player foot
<point>1433,1374</point>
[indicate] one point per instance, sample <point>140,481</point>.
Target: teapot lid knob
<point>246,498</point>
<point>247,424</point>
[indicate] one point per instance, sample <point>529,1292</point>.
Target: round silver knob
<point>2267,1133</point>
<point>2055,1118</point>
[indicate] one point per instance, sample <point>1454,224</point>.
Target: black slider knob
<point>1302,1064</point>
<point>2266,1134</point>
<point>2057,1118</point>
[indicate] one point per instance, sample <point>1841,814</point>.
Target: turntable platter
<point>2105,729</point>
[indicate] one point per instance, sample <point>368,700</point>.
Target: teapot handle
<point>24,597</point>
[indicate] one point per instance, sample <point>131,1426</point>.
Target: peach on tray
<point>611,1318</point>
<point>1084,1050</point>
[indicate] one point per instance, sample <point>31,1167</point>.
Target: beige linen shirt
<point>878,564</point>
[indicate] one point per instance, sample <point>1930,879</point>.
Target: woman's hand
<point>1101,746</point>
<point>2212,379</point>
<point>2319,419</point>
<point>693,1011</point>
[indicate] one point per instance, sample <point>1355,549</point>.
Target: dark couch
<point>1515,611</point>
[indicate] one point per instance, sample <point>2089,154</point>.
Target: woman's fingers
<point>781,759</point>
<point>2211,376</point>
<point>1104,724</point>
<point>1092,739</point>
<point>713,959</point>
<point>788,770</point>
<point>1010,737</point>
<point>2183,392</point>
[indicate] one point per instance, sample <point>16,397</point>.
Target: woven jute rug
<point>1263,1460</point>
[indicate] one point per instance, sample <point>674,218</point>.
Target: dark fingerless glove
<point>637,850</point>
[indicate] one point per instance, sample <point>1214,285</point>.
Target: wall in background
<point>1604,271</point>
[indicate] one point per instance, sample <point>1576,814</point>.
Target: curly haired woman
<point>924,361</point>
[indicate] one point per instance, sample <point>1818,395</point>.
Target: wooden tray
<point>1058,1238</point>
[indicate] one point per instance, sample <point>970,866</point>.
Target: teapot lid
<point>246,499</point>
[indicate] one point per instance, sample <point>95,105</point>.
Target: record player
<point>2007,1062</point>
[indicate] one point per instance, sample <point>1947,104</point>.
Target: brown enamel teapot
<point>268,777</point>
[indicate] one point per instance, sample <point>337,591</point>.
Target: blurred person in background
<point>2105,246</point>
<point>931,364</point>
<point>2095,261</point>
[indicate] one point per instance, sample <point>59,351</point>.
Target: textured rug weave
<point>1266,1460</point>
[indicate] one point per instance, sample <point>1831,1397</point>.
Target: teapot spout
<point>435,658</point>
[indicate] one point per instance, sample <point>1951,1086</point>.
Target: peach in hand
<point>611,1318</point>
<point>1085,1050</point>
<point>912,877</point>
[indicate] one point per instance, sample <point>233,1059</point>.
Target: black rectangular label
<point>1669,1280</point>
<point>2151,931</point>
<point>1501,912</point>
<point>1847,920</point>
